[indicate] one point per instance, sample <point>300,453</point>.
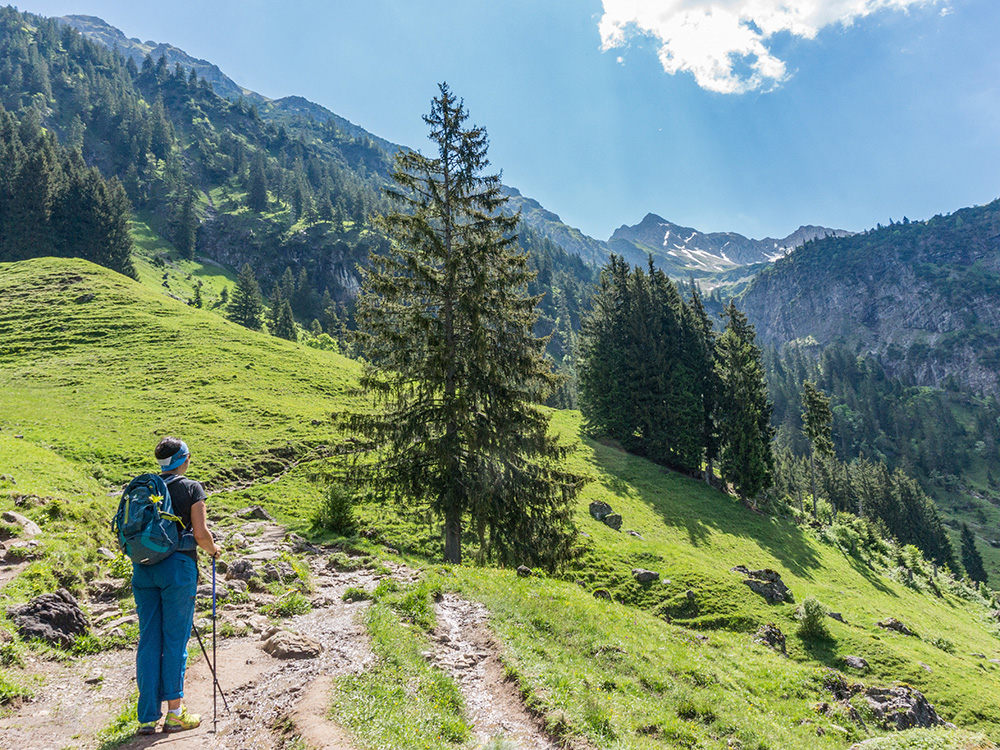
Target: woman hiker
<point>164,600</point>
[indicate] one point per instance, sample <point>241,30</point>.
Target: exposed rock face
<point>286,645</point>
<point>523,571</point>
<point>892,293</point>
<point>56,618</point>
<point>771,636</point>
<point>767,583</point>
<point>901,708</point>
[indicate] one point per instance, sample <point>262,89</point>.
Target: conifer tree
<point>245,306</point>
<point>745,432</point>
<point>453,365</point>
<point>972,561</point>
<point>284,325</point>
<point>257,186</point>
<point>816,424</point>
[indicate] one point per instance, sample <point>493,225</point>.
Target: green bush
<point>811,615</point>
<point>335,512</point>
<point>292,603</point>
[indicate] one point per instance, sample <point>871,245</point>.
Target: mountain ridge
<point>705,256</point>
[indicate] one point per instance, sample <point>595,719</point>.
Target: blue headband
<point>176,460</point>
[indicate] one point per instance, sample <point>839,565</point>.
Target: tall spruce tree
<point>816,424</point>
<point>972,561</point>
<point>453,365</point>
<point>245,305</point>
<point>746,460</point>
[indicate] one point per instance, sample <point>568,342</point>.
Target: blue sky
<point>832,119</point>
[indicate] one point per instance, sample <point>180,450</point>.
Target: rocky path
<point>276,679</point>
<point>466,650</point>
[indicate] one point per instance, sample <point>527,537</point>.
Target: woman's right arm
<point>199,524</point>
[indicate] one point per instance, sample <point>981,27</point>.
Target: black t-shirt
<point>184,493</point>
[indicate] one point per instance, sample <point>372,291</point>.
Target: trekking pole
<point>215,712</point>
<point>215,680</point>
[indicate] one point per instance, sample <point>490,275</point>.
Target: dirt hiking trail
<point>272,701</point>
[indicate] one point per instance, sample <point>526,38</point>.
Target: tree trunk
<point>708,473</point>
<point>453,537</point>
<point>812,472</point>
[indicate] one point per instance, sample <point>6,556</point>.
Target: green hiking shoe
<point>186,720</point>
<point>148,728</point>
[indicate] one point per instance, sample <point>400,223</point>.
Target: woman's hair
<point>167,447</point>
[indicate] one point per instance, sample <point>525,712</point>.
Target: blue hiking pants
<point>164,601</point>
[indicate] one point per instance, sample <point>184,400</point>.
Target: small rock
<point>767,583</point>
<point>205,592</point>
<point>255,513</point>
<point>19,550</point>
<point>126,620</point>
<point>856,662</point>
<point>837,616</point>
<point>107,588</point>
<point>237,541</point>
<point>925,666</point>
<point>523,571</point>
<point>28,527</point>
<point>95,679</point>
<point>600,510</point>
<point>771,636</point>
<point>106,553</point>
<point>286,645</point>
<point>238,586</point>
<point>241,569</point>
<point>636,534</point>
<point>690,595</point>
<point>891,623</point>
<point>645,576</point>
<point>278,571</point>
<point>602,594</point>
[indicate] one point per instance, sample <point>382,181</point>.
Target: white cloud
<point>723,43</point>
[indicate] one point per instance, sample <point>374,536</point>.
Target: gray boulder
<point>901,708</point>
<point>645,576</point>
<point>278,571</point>
<point>241,570</point>
<point>613,521</point>
<point>56,618</point>
<point>891,623</point>
<point>771,636</point>
<point>28,527</point>
<point>286,645</point>
<point>253,513</point>
<point>523,571</point>
<point>767,583</point>
<point>856,662</point>
<point>600,510</point>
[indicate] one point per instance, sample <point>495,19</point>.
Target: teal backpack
<point>148,531</point>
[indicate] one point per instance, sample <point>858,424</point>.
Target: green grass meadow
<point>94,368</point>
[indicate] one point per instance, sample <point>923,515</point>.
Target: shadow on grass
<point>871,576</point>
<point>689,504</point>
<point>823,651</point>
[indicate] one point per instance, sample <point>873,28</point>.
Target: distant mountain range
<point>680,251</point>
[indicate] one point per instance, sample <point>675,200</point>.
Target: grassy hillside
<point>95,367</point>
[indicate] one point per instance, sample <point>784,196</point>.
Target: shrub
<point>812,620</point>
<point>335,512</point>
